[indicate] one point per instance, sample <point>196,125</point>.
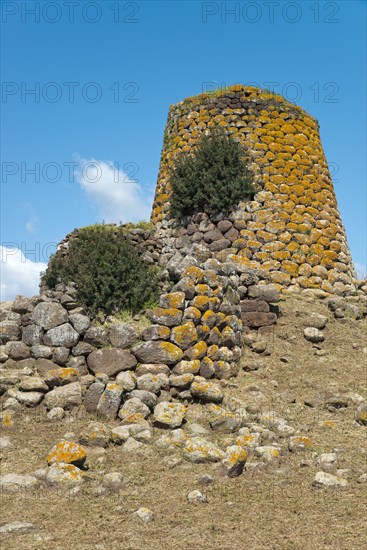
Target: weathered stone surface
<point>181,381</point>
<point>111,361</point>
<point>14,483</point>
<point>158,352</point>
<point>67,397</point>
<point>145,515</point>
<point>17,350</point>
<point>185,335</point>
<point>92,396</point>
<point>313,335</point>
<point>149,382</point>
<point>96,336</point>
<point>68,452</point>
<point>299,443</point>
<point>172,300</point>
<point>223,420</point>
<point>151,368</point>
<point>185,367</point>
<point>110,401</point>
<point>61,376</point>
<point>132,407</point>
<point>43,366</point>
<point>22,304</point>
<point>156,332</point>
<point>95,434</point>
<point>62,335</point>
<point>200,450</point>
<point>80,322</point>
<point>326,480</point>
<point>196,496</point>
<point>269,293</point>
<point>32,335</point>
<point>39,351</point>
<point>169,415</point>
<point>49,315</point>
<point>170,317</point>
<point>122,335</point>
<point>254,319</point>
<point>255,305</point>
<point>64,474</point>
<point>315,320</point>
<point>16,527</point>
<point>127,380</point>
<point>9,331</point>
<point>28,398</point>
<point>33,383</point>
<point>205,390</point>
<point>234,461</point>
<point>147,397</point>
<point>361,414</point>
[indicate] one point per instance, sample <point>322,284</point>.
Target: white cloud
<point>117,196</point>
<point>361,270</point>
<point>19,275</point>
<point>30,226</point>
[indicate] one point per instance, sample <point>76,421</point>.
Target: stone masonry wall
<point>292,228</point>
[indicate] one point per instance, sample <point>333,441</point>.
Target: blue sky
<point>104,75</point>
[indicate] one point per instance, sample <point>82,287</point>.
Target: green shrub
<point>108,269</point>
<point>214,179</point>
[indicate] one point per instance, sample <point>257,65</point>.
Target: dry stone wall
<point>292,228</point>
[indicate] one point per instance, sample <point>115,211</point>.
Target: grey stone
<point>127,380</point>
<point>313,335</point>
<point>196,496</point>
<point>16,527</point>
<point>327,480</point>
<point>9,331</point>
<point>33,383</point>
<point>39,351</point>
<point>62,335</point>
<point>17,350</point>
<point>14,483</point>
<point>28,398</point>
<point>110,400</point>
<point>132,407</point>
<point>67,397</point>
<point>158,352</point>
<point>95,434</point>
<point>22,304</point>
<point>92,396</point>
<point>81,323</point>
<point>169,415</point>
<point>122,335</point>
<point>269,293</point>
<point>49,315</point>
<point>96,336</point>
<point>111,361</point>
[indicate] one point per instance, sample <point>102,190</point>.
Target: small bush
<point>214,179</point>
<point>108,269</point>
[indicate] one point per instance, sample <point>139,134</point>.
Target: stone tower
<point>293,227</point>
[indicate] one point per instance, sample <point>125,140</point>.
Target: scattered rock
<point>169,415</point>
<point>234,461</point>
<point>144,514</point>
<point>16,527</point>
<point>196,496</point>
<point>313,335</point>
<point>200,450</point>
<point>62,473</point>
<point>67,452</point>
<point>95,434</point>
<point>325,479</point>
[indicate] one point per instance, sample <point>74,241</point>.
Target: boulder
<point>158,352</point>
<point>49,315</point>
<point>110,361</point>
<point>169,415</point>
<point>67,397</point>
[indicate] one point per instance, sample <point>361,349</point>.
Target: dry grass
<point>271,508</point>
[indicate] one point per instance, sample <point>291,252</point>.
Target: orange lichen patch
<point>209,318</point>
<point>201,302</point>
<point>192,313</point>
<point>67,452</point>
<point>275,226</point>
<point>197,351</point>
<point>175,300</point>
<point>212,351</point>
<point>280,277</point>
<point>290,267</point>
<point>203,289</point>
<point>184,335</point>
<point>167,316</point>
<point>195,273</point>
<point>7,419</point>
<point>263,216</point>
<point>280,255</point>
<point>174,353</point>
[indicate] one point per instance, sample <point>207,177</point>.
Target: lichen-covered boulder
<point>158,352</point>
<point>205,390</point>
<point>184,335</point>
<point>172,300</point>
<point>169,415</point>
<point>234,461</point>
<point>170,317</point>
<point>65,474</point>
<point>200,450</point>
<point>61,376</point>
<point>224,420</point>
<point>95,434</point>
<point>68,452</point>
